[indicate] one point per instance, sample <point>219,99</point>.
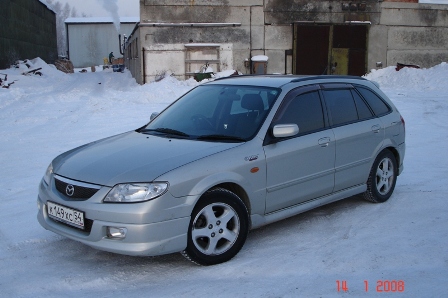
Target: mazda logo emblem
<point>70,190</point>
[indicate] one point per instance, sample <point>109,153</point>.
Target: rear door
<point>300,168</point>
<point>358,133</point>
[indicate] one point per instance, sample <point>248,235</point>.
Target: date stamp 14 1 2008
<point>386,286</point>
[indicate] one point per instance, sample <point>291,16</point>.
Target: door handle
<point>376,128</point>
<point>323,142</point>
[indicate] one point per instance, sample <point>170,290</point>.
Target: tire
<point>218,228</point>
<point>382,178</point>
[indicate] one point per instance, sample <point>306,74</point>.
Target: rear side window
<point>305,110</point>
<point>378,106</point>
<point>341,106</point>
<point>363,110</point>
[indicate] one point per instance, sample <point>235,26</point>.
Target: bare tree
<point>73,12</point>
<point>62,13</point>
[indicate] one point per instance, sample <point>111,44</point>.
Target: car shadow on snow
<point>312,229</point>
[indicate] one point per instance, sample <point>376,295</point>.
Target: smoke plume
<point>112,7</point>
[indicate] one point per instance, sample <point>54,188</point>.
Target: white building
<point>90,40</point>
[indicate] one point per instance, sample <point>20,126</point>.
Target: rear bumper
<point>402,151</point>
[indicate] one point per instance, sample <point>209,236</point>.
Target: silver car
<point>231,155</point>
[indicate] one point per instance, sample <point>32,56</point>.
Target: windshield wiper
<point>164,130</point>
<point>221,138</point>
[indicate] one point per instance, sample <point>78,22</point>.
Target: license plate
<point>67,215</point>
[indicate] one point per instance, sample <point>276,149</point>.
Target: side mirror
<point>153,115</point>
<point>285,130</point>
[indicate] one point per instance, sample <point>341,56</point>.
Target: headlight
<point>135,192</point>
<point>48,173</point>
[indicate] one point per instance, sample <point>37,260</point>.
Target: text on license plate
<point>67,215</point>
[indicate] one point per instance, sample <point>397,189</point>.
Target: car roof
<point>277,81</point>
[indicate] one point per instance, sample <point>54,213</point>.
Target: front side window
<point>305,110</point>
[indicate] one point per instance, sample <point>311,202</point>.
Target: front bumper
<point>153,228</point>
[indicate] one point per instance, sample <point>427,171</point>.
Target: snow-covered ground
<point>402,243</point>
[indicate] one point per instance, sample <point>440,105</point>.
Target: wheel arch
<point>239,191</point>
<point>229,181</point>
<point>395,153</point>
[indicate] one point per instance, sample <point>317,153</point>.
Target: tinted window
<point>363,110</point>
<point>377,104</point>
<point>341,106</point>
<point>305,110</point>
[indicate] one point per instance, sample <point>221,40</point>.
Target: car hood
<point>132,157</point>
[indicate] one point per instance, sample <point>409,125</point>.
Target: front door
<point>300,168</point>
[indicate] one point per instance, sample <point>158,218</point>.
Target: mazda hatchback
<point>230,155</point>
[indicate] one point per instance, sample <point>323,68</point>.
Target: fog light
<point>113,232</point>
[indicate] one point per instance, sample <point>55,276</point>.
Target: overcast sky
<point>96,8</point>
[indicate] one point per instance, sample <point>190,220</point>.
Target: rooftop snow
<point>101,20</point>
<point>44,2</point>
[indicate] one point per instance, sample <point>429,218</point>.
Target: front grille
<point>79,193</point>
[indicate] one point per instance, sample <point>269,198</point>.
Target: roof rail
<point>295,78</point>
<point>247,75</point>
<point>307,78</point>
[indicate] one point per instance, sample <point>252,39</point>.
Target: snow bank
<point>24,66</point>
<point>435,78</point>
<point>168,87</point>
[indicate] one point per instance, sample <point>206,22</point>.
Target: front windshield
<point>216,113</point>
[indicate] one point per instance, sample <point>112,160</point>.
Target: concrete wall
<point>236,25</point>
<point>266,27</point>
<point>133,55</point>
<point>398,32</point>
<point>27,31</point>
<point>280,14</point>
<point>414,33</point>
<point>162,59</point>
<point>287,12</point>
<point>89,43</point>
